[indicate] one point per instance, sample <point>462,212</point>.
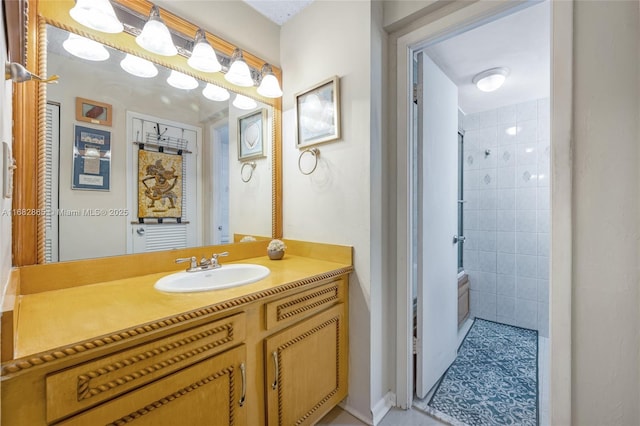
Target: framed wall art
<point>318,113</point>
<point>91,159</point>
<point>93,112</point>
<point>159,185</point>
<point>252,133</point>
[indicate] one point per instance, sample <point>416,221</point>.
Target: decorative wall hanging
<point>159,185</point>
<point>93,112</point>
<point>91,159</point>
<point>318,113</point>
<point>252,133</point>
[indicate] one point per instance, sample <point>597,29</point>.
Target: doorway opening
<point>497,170</point>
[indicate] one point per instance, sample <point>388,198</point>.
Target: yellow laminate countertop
<point>59,318</point>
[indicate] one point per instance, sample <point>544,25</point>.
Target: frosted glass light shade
<point>203,58</point>
<point>215,93</point>
<point>85,48</point>
<point>138,66</point>
<point>182,81</point>
<point>155,36</point>
<point>97,15</point>
<point>269,86</point>
<point>239,73</point>
<point>490,80</point>
<point>243,102</point>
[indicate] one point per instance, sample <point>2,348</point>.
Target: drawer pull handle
<point>275,363</point>
<point>244,384</point>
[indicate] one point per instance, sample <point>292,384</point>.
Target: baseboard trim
<point>383,406</point>
<point>357,414</point>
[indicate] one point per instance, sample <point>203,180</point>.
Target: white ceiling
<point>278,11</point>
<point>520,42</point>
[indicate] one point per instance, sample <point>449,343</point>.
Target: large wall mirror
<point>133,164</point>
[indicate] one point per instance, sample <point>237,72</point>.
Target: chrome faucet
<point>205,264</point>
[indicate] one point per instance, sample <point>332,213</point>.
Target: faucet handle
<point>192,259</point>
<point>224,253</point>
<point>214,258</point>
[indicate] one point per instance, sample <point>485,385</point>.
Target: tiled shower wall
<point>506,214</point>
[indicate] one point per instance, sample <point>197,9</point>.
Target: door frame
<point>438,26</point>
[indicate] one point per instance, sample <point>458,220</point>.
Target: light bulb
<point>203,58</point>
<point>490,80</point>
<point>155,36</point>
<point>239,73</point>
<point>243,102</point>
<point>215,93</point>
<point>85,48</point>
<point>269,86</point>
<point>182,81</point>
<point>97,15</point>
<point>138,66</point>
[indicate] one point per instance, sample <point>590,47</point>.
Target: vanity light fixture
<point>182,81</point>
<point>215,93</point>
<point>138,66</point>
<point>85,48</point>
<point>155,36</point>
<point>203,57</point>
<point>97,15</point>
<point>269,86</point>
<point>491,79</point>
<point>239,73</point>
<point>244,102</point>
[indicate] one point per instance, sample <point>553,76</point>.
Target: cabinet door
<point>306,369</point>
<point>208,393</point>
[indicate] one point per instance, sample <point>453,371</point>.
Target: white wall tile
<point>506,199</point>
<point>527,111</point>
<point>487,199</point>
<point>526,198</point>
<point>506,156</point>
<point>526,154</point>
<point>472,239</point>
<point>471,122</point>
<point>487,161</point>
<point>527,176</point>
<point>470,259</point>
<point>474,301</point>
<point>507,114</point>
<point>487,220</point>
<point>470,179</point>
<point>527,132</point>
<point>506,263</point>
<point>543,291</point>
<point>471,159</point>
<point>474,280</point>
<point>526,266</point>
<point>543,319</point>
<point>527,243</point>
<point>470,220</point>
<point>543,244</point>
<point>487,306</point>
<point>506,242</point>
<point>507,133</point>
<point>527,313</point>
<point>487,138</point>
<point>506,177</point>
<point>544,174</point>
<point>527,288</point>
<point>506,220</point>
<point>487,240</point>
<point>506,320</point>
<point>543,199</point>
<point>487,282</point>
<point>488,118</point>
<point>543,218</point>
<point>506,285</point>
<point>543,267</point>
<point>526,221</point>
<point>487,262</point>
<point>506,307</point>
<point>487,178</point>
<point>471,198</point>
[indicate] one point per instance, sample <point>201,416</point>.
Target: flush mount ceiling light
<point>85,48</point>
<point>138,66</point>
<point>182,81</point>
<point>97,15</point>
<point>243,102</point>
<point>155,36</point>
<point>203,58</point>
<point>239,73</point>
<point>215,93</point>
<point>269,86</point>
<point>490,80</point>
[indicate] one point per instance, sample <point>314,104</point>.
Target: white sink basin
<point>226,276</point>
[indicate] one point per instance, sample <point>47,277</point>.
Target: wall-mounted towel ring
<point>313,151</point>
<point>252,167</point>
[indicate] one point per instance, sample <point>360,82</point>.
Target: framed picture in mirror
<point>318,113</point>
<point>93,112</point>
<point>91,159</point>
<point>252,133</point>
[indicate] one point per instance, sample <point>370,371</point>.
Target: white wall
<point>233,21</point>
<point>6,91</point>
<point>333,205</point>
<point>606,217</point>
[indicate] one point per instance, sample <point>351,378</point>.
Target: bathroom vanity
<point>98,344</point>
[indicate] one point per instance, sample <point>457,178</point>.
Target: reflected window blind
<point>52,143</point>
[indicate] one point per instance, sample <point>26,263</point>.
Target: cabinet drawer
<point>292,308</point>
<point>88,384</point>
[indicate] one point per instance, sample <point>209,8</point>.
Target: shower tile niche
<point>506,185</point>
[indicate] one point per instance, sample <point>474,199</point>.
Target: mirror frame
<point>29,113</point>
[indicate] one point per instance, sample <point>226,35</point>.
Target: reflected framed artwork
<point>91,159</point>
<point>252,133</point>
<point>318,113</point>
<point>93,112</point>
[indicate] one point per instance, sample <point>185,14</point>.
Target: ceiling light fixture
<point>138,66</point>
<point>182,81</point>
<point>97,15</point>
<point>239,73</point>
<point>215,93</point>
<point>490,80</point>
<point>155,36</point>
<point>85,48</point>
<point>244,102</point>
<point>203,58</point>
<point>269,86</point>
